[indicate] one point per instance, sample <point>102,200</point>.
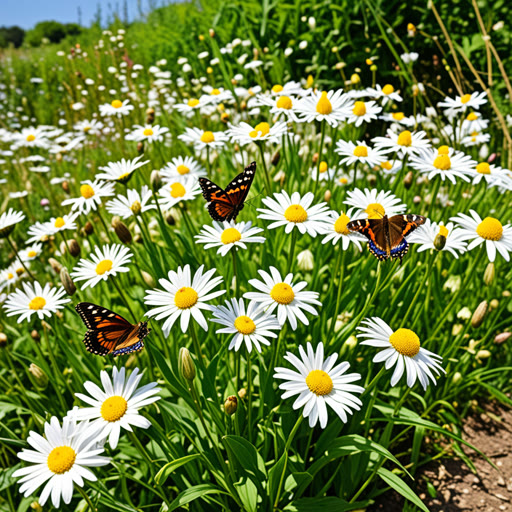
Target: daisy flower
<point>491,174</point>
<point>31,138</point>
<point>403,143</point>
<point>252,326</point>
<point>461,103</point>
<point>359,152</point>
<point>374,204</point>
<point>38,232</point>
<point>148,133</point>
<point>475,139</point>
<point>8,276</point>
<point>322,106</point>
<point>90,196</point>
<point>326,173</point>
<point>182,166</point>
<point>116,108</point>
<point>34,299</point>
<point>401,348</point>
<point>490,231</point>
<point>120,171</point>
<point>216,96</point>
<point>203,139</point>
<point>386,93</point>
<point>183,297</point>
<point>117,405</point>
<point>131,204</point>
<point>288,89</point>
<point>177,190</point>
<point>192,104</point>
<point>474,122</point>
<point>61,459</point>
<point>229,235</point>
<point>281,104</point>
<point>107,261</point>
<point>294,212</point>
<point>245,134</point>
<point>319,383</point>
<point>336,230</point>
<point>427,234</point>
<point>289,299</point>
<point>399,118</point>
<point>91,127</point>
<point>8,221</point>
<point>444,162</point>
<point>359,112</point>
<point>56,224</point>
<point>31,253</point>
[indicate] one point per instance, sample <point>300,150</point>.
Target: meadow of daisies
<point>286,368</point>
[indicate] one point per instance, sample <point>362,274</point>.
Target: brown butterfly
<point>227,204</point>
<point>110,333</point>
<point>387,235</point>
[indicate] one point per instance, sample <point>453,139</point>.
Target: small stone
<point>476,480</point>
<point>465,490</point>
<point>457,477</point>
<point>501,497</point>
<point>501,481</point>
<point>423,496</point>
<point>446,495</point>
<point>502,507</point>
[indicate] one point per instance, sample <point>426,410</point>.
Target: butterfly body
<point>110,333</point>
<point>386,235</point>
<point>225,205</point>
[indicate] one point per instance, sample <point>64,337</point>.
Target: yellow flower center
<point>215,92</point>
<point>262,129</point>
<point>207,137</point>
<point>324,106</point>
<point>359,108</point>
<point>442,162</point>
<point>398,116</point>
<point>177,190</point>
<point>193,102</point>
<point>31,138</point>
<point>443,150</point>
<point>86,129</point>
<point>147,132</point>
<point>319,382</point>
<point>185,298</point>
<point>136,207</point>
<point>490,229</point>
<point>284,102</point>
<point>387,165</point>
<point>282,293</point>
<point>405,138</point>
<point>295,213</point>
<point>483,168</point>
<point>103,266</point>
<point>230,236</point>
<point>113,408</point>
<point>32,254</point>
<point>10,275</point>
<point>443,231</point>
<point>183,169</point>
<point>375,211</point>
<point>277,88</point>
<point>472,117</point>
<point>405,342</point>
<point>59,222</point>
<point>86,191</point>
<point>117,103</point>
<point>323,167</point>
<point>244,325</point>
<point>343,180</point>
<point>388,89</point>
<point>465,98</point>
<point>340,226</point>
<point>61,459</point>
<point>361,151</point>
<point>37,303</point>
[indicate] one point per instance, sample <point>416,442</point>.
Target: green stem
<point>86,498</point>
<point>322,137</point>
<point>19,259</point>
<point>268,185</point>
<point>123,298</point>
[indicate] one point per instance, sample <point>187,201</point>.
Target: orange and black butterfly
<point>387,235</point>
<point>110,333</point>
<point>227,204</point>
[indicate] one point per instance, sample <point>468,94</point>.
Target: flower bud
<point>408,180</point>
<point>479,315</point>
<point>315,158</point>
<point>35,335</point>
<point>489,274</point>
<point>242,392</point>
<point>186,365</point>
<point>65,186</point>
<point>67,282</point>
<point>502,337</point>
<point>211,32</point>
<point>122,231</point>
<point>351,342</point>
<point>148,279</point>
<point>494,304</point>
<point>3,339</point>
<point>156,180</point>
<point>457,376</point>
<point>355,79</point>
<point>230,405</point>
<point>457,329</point>
<point>140,147</point>
<point>56,266</point>
<point>327,196</point>
<point>150,116</point>
<point>464,313</point>
<point>276,158</point>
<point>170,219</point>
<point>439,242</point>
<point>88,228</point>
<point>39,376</point>
<point>483,354</point>
<point>73,247</point>
<point>305,260</point>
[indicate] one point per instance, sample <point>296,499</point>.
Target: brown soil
<point>457,487</point>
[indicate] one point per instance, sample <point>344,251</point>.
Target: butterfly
<point>110,333</point>
<point>227,204</point>
<point>387,235</point>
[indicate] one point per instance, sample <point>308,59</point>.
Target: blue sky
<point>26,13</point>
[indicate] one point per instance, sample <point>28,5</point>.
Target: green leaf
<point>330,504</point>
<point>396,483</point>
<point>274,477</point>
<point>164,473</point>
<point>191,494</point>
<point>248,494</point>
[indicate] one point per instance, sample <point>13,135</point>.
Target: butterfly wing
<point>373,229</point>
<point>402,225</point>
<point>238,189</point>
<point>133,342</point>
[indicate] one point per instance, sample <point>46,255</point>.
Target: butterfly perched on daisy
<point>225,205</point>
<point>110,333</point>
<point>386,235</point>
